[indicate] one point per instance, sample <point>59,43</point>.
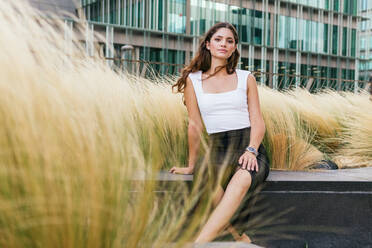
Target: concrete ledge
<point>342,175</point>
<point>343,180</point>
<point>330,208</point>
<point>217,245</point>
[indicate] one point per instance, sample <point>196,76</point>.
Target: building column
<point>263,65</point>
<point>109,45</point>
<point>89,39</point>
<point>264,36</point>
<point>108,11</point>
<point>251,58</point>
<point>275,40</point>
<point>136,57</point>
<point>165,16</point>
<point>68,37</point>
<point>298,45</point>
<point>357,54</point>
<point>188,16</point>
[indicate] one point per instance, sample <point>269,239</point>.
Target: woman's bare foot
<point>240,238</point>
<point>244,238</point>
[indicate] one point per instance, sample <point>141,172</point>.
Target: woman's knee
<point>243,179</point>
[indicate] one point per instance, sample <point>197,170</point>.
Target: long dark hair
<point>202,59</point>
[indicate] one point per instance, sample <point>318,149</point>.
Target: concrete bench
<point>330,208</point>
<point>216,245</point>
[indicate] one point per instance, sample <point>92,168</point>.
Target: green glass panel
<point>353,42</point>
<point>334,39</point>
<point>113,12</point>
<point>336,5</point>
<point>326,4</point>
<point>325,40</point>
<point>160,17</point>
<point>344,41</point>
<point>350,7</point>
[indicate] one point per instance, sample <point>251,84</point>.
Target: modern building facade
<point>58,7</point>
<point>287,41</point>
<point>365,40</point>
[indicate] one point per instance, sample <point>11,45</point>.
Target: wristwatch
<point>252,150</point>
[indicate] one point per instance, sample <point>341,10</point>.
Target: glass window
<point>160,14</point>
<point>350,7</point>
<point>162,55</point>
<point>353,42</point>
<point>113,12</point>
<point>364,5</point>
<point>344,41</point>
<point>334,39</point>
<point>287,39</point>
<point>362,43</point>
<point>336,5</point>
<point>177,16</point>
<point>363,25</point>
<point>325,40</point>
<point>248,22</point>
<point>95,11</point>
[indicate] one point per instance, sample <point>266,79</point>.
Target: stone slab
<point>344,175</point>
<point>217,245</point>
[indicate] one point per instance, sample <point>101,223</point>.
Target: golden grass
<point>73,133</point>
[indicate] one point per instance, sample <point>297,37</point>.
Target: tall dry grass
<point>73,134</point>
<point>303,128</point>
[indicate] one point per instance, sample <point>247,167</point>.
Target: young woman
<point>226,100</point>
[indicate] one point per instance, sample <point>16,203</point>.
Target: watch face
<point>252,150</point>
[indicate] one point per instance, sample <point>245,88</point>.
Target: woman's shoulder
<point>245,72</point>
<point>194,75</point>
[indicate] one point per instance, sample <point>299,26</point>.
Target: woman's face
<point>222,44</point>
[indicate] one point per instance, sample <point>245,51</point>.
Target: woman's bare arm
<point>255,115</point>
<point>248,160</point>
<point>194,129</point>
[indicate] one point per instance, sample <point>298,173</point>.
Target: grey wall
<point>59,7</point>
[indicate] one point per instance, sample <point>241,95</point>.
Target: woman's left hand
<point>248,161</point>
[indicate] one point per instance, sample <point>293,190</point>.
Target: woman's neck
<point>215,63</point>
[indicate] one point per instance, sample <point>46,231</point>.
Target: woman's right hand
<point>182,170</point>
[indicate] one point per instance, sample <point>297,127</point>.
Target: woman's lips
<point>222,50</point>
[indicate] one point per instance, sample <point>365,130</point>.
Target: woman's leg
<point>231,199</point>
<point>217,198</point>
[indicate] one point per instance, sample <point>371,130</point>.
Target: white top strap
<point>196,81</point>
<point>242,78</point>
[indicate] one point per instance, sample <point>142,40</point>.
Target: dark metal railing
<point>280,81</point>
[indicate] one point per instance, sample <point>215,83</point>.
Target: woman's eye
<point>217,39</point>
<point>230,41</point>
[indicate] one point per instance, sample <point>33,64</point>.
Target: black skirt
<point>222,162</point>
<point>226,149</point>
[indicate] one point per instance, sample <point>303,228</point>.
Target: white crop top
<point>223,111</point>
